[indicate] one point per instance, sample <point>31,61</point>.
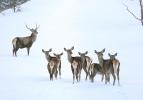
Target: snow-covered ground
<point>87,25</point>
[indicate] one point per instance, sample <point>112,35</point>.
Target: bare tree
<point>141,12</point>
<point>11,4</point>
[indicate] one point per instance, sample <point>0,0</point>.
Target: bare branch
<point>27,27</point>
<point>131,12</point>
<point>37,26</point>
<point>141,5</point>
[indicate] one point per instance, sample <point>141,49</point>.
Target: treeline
<point>7,4</point>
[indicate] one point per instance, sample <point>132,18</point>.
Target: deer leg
<point>118,79</point>
<point>60,70</point>
<point>90,75</point>
<point>85,72</point>
<point>77,77</point>
<point>50,72</point>
<point>53,73</point>
<point>51,78</point>
<point>93,75</point>
<point>108,77</point>
<point>13,51</point>
<point>86,75</point>
<point>73,73</point>
<point>113,75</point>
<point>79,74</point>
<point>16,49</point>
<point>105,78</point>
<point>28,50</point>
<point>102,77</point>
<point>80,68</point>
<point>118,76</point>
<point>56,73</point>
<point>73,78</point>
<point>72,69</point>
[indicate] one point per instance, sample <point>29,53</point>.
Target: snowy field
<point>87,25</point>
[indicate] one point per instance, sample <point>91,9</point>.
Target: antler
<point>27,27</point>
<point>37,27</point>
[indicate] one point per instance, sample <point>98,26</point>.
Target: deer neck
<point>101,61</point>
<point>33,37</point>
<point>48,58</point>
<point>83,61</point>
<point>70,58</point>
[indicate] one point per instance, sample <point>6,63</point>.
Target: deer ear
<point>37,27</point>
<point>103,50</point>
<point>79,53</point>
<point>43,50</point>
<point>95,51</point>
<point>32,30</point>
<point>109,54</point>
<point>54,54</point>
<point>115,54</point>
<point>50,50</point>
<point>61,54</point>
<point>72,48</point>
<point>65,49</point>
<point>86,52</point>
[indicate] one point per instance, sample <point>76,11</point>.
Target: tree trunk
<point>141,8</point>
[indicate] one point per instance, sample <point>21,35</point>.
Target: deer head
<point>34,31</point>
<point>46,52</point>
<point>69,53</point>
<point>100,53</point>
<point>82,55</point>
<point>112,57</point>
<point>100,56</point>
<point>47,55</point>
<point>58,55</point>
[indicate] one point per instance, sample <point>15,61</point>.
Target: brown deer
<point>107,66</point>
<point>53,63</point>
<point>86,63</point>
<point>58,56</point>
<point>116,65</point>
<point>96,69</point>
<point>75,64</point>
<point>24,42</point>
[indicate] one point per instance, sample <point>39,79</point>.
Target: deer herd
<point>105,67</point>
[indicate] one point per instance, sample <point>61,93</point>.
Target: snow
<point>86,25</point>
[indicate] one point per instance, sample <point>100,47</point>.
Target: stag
<point>107,66</point>
<point>116,65</point>
<point>86,63</point>
<point>53,64</point>
<point>24,42</point>
<point>75,64</point>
